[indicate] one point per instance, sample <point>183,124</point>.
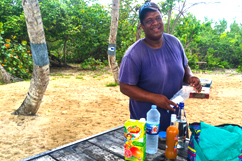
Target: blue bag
<point>215,142</point>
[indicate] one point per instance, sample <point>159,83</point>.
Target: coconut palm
<point>112,41</point>
<point>40,76</point>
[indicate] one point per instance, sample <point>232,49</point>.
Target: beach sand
<point>77,104</point>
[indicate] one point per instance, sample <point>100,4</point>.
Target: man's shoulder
<point>135,47</point>
<point>170,37</point>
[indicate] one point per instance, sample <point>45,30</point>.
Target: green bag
<point>215,143</point>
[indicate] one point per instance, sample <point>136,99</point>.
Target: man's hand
<point>163,102</point>
<point>139,94</point>
<point>195,82</point>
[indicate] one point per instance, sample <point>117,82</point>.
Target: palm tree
<point>112,41</point>
<point>6,77</point>
<point>40,76</point>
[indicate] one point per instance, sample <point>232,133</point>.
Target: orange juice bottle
<point>172,133</point>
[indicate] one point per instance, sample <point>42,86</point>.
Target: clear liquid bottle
<point>182,126</point>
<point>172,133</point>
<point>152,130</point>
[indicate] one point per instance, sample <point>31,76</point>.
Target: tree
<point>138,31</point>
<point>6,77</point>
<point>179,6</point>
<point>112,41</point>
<point>15,59</point>
<point>40,78</point>
<point>221,26</point>
<point>188,30</point>
<point>11,15</point>
<point>129,29</point>
<point>75,30</point>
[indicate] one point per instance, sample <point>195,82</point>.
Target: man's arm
<point>192,80</point>
<point>141,95</point>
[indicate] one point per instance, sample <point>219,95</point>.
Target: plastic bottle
<point>171,139</point>
<point>182,126</point>
<point>152,130</point>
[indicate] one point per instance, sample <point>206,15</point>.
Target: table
<point>105,146</point>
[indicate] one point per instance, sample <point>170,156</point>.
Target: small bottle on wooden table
<point>172,133</point>
<point>182,126</point>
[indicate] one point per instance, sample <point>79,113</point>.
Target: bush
<point>14,56</point>
<point>239,70</point>
<point>192,59</point>
<point>92,63</point>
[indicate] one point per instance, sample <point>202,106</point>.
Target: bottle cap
<point>153,107</point>
<point>181,105</point>
<point>142,120</point>
<point>173,117</point>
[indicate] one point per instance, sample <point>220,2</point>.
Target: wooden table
<point>202,65</point>
<point>105,146</point>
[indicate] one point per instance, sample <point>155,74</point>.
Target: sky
<point>230,10</point>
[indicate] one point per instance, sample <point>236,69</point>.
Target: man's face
<point>153,25</point>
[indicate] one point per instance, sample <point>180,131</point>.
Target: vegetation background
<point>77,31</point>
<point>78,102</point>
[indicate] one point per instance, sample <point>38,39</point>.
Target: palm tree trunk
<point>40,77</point>
<point>112,41</point>
<point>6,77</point>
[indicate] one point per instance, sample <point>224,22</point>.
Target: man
<point>154,68</point>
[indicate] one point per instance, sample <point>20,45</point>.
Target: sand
<point>77,104</point>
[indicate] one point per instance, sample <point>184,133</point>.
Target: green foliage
<point>188,30</point>
<point>213,62</point>
<point>192,60</point>
<point>2,83</point>
<point>221,26</point>
<point>59,74</point>
<point>78,31</point>
<point>127,27</point>
<point>80,78</point>
<point>12,16</point>
<point>92,63</point>
<point>14,56</point>
<point>226,47</point>
<point>239,70</point>
<point>167,6</point>
<point>76,28</point>
<point>111,85</point>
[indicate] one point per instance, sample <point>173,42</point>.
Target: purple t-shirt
<point>159,71</point>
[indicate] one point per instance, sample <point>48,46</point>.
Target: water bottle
<point>182,126</point>
<point>152,130</point>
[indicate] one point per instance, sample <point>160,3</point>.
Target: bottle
<point>182,126</point>
<point>172,133</point>
<point>152,130</point>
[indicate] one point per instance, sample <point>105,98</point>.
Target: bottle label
<point>176,142</point>
<point>152,129</point>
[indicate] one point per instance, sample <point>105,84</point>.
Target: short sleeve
<point>129,72</point>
